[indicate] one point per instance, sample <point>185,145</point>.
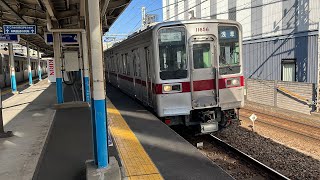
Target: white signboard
<point>170,37</point>
<point>51,71</point>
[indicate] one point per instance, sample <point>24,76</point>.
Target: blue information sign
<point>66,38</point>
<point>19,29</point>
<point>7,38</point>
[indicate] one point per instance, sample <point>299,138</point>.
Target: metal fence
<point>294,96</point>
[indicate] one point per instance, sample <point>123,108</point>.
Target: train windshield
<point>229,59</point>
<point>172,53</point>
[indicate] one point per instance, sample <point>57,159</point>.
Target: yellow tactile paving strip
<point>135,160</point>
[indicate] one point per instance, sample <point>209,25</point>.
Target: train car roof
<point>172,23</point>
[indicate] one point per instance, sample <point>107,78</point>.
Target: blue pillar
<point>30,77</point>
<point>13,83</point>
<point>98,89</point>
<point>12,70</point>
<point>100,133</point>
<point>58,73</point>
<point>59,88</point>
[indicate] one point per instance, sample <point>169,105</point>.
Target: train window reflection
<point>201,56</point>
<point>172,53</point>
<point>229,59</point>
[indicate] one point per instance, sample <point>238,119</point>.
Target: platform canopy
<point>63,13</point>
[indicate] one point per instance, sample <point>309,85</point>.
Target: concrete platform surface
<point>69,144</point>
<point>172,156</point>
<point>29,115</point>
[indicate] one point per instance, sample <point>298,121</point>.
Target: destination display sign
<point>228,34</point>
<point>19,29</point>
<point>170,37</point>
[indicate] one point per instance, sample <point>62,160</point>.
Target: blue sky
<point>130,19</point>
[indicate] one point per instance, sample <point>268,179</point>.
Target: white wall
<point>278,17</point>
<point>244,17</point>
<point>222,10</point>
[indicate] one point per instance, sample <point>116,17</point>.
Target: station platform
<point>149,149</point>
<point>54,143</point>
<point>29,115</point>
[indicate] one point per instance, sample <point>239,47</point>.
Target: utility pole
<point>143,13</point>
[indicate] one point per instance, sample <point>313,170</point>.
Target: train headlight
<point>235,82</point>
<point>167,88</point>
<point>171,88</point>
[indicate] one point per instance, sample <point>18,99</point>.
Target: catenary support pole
<point>39,64</point>
<point>12,69</point>
<point>85,66</point>
<point>57,59</point>
<point>99,99</point>
<point>29,64</point>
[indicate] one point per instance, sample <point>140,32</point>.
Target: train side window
<point>127,63</point>
<point>17,66</point>
<point>136,63</point>
<point>124,64</point>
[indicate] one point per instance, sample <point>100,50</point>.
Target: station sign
<point>20,29</point>
<point>66,38</point>
<point>51,70</point>
<point>9,38</point>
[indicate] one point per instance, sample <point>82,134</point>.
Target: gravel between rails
<point>285,160</point>
<point>231,163</point>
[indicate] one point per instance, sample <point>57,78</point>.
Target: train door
<point>203,74</point>
<point>148,76</point>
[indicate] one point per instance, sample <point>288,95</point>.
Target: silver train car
<point>188,72</point>
<point>21,69</point>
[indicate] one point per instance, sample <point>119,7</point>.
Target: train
<point>188,72</point>
<point>21,68</point>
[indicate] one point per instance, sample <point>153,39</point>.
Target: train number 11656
<point>202,29</point>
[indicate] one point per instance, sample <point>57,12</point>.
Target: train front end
<point>198,72</point>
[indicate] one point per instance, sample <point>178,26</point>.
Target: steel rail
<point>271,172</point>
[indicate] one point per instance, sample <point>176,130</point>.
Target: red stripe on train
<point>201,85</point>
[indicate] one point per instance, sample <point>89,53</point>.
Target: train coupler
<point>209,127</point>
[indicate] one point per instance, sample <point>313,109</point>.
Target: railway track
<point>299,128</point>
<point>273,174</point>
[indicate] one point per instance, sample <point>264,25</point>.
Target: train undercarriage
<point>205,121</point>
